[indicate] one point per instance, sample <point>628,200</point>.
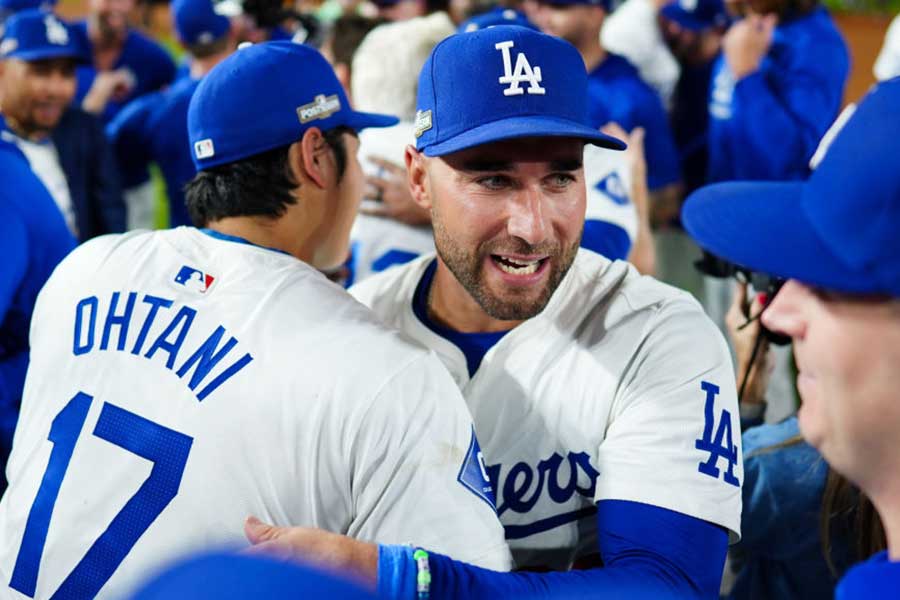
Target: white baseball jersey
<point>179,383</point>
<point>620,389</point>
<point>380,243</point>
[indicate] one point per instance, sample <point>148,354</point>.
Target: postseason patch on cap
<point>204,149</point>
<point>423,122</point>
<point>8,45</point>
<point>320,108</point>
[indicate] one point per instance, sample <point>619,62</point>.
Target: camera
<point>714,266</point>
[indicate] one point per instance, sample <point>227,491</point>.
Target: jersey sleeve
<point>660,151</point>
<point>674,436</point>
<point>418,475</point>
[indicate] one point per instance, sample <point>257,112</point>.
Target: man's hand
<point>643,250</point>
<point>329,550</point>
<point>108,85</point>
<point>392,196</point>
<point>747,43</point>
<point>743,339</point>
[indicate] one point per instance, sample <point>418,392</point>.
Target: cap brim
<point>763,227</point>
<point>48,53</point>
<point>363,120</point>
<point>521,127</point>
<point>686,20</point>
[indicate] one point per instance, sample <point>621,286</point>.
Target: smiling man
<point>66,147</point>
<point>604,400</point>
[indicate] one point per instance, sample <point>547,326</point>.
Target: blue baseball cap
<point>14,6</point>
<point>604,4</point>
<point>838,230</point>
<point>502,83</point>
<point>265,96</point>
<point>497,16</point>
<point>33,35</point>
<point>696,15</point>
<point>197,23</point>
<point>234,577</point>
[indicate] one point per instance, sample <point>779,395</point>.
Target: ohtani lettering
<point>203,356</point>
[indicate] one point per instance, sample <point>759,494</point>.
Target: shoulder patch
<point>473,474</point>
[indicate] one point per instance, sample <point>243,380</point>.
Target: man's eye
<point>494,182</point>
<point>561,179</point>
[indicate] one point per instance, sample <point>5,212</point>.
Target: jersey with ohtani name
<point>621,389</point>
<point>180,382</point>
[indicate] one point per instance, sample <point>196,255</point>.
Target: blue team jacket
<point>33,239</point>
<point>768,125</point>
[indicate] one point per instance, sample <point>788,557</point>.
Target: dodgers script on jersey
<point>180,382</point>
<point>620,389</point>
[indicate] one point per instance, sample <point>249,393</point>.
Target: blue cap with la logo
<point>502,83</point>
<point>39,35</point>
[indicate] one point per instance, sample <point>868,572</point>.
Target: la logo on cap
<point>522,74</point>
<point>56,31</point>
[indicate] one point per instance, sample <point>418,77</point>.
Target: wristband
<point>423,574</point>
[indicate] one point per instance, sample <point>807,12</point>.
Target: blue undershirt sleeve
<point>606,239</point>
<point>648,553</point>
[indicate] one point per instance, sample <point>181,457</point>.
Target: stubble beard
<point>468,268</point>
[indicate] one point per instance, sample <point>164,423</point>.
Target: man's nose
<point>785,315</point>
<point>527,216</point>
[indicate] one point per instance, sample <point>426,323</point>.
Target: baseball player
<point>834,239</point>
<point>782,72</point>
<point>33,239</point>
<point>151,128</point>
<point>605,400</point>
<point>161,404</point>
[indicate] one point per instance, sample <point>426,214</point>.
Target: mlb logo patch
<point>194,279</point>
<point>204,149</point>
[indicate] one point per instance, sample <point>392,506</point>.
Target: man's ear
<point>312,159</point>
<point>417,177</point>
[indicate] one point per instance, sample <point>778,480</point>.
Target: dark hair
<point>786,10</point>
<point>849,514</point>
<point>347,34</point>
<point>260,185</point>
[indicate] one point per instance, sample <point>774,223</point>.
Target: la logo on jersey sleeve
<point>718,445</point>
<point>473,474</point>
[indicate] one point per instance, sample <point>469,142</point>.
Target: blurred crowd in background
<point>703,91</point>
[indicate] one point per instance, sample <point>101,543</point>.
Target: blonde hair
<point>385,74</point>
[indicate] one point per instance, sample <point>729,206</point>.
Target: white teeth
<point>517,268</point>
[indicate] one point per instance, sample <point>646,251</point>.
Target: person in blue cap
<point>206,369</point>
<point>124,63</point>
<point>65,146</point>
<point>781,76</point>
<point>500,15</point>
<point>834,240</point>
<point>153,128</point>
<point>617,93</point>
<point>693,31</point>
<point>33,239</point>
<point>605,400</point>
<point>10,7</point>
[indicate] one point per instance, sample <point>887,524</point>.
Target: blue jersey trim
<point>517,532</point>
<point>473,345</point>
<point>237,240</point>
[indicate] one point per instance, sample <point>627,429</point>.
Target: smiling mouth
<point>518,266</point>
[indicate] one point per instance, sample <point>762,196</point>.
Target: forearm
<point>397,576</point>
